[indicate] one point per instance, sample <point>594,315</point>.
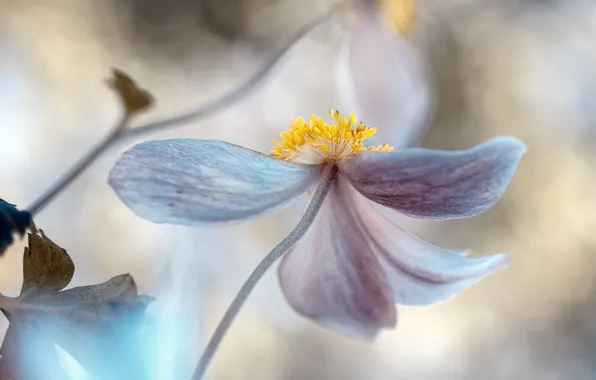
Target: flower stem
<point>280,249</point>
<point>74,172</point>
<point>238,93</point>
<point>227,100</point>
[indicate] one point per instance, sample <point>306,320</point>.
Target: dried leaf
<point>46,265</point>
<point>96,324</point>
<point>12,221</point>
<point>133,97</point>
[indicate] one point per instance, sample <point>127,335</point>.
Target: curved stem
<point>227,100</point>
<point>238,93</point>
<point>80,166</point>
<point>280,249</point>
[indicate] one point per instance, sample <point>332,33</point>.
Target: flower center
<point>315,142</point>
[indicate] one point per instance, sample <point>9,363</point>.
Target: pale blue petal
<point>198,182</point>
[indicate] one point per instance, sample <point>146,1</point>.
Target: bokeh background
<point>525,68</point>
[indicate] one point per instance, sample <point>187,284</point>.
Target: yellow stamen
<point>315,141</point>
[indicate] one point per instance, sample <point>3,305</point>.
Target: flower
<point>353,265</point>
<point>382,76</point>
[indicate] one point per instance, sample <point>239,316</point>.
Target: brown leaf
<point>46,265</point>
<point>133,97</point>
<point>98,325</point>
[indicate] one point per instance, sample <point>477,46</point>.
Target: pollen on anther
<point>314,141</point>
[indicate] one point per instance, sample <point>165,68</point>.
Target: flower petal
<point>196,182</point>
<point>435,184</point>
<point>332,276</point>
<point>419,273</point>
<point>386,82</point>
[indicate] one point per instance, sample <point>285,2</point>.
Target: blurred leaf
<point>133,97</point>
<point>97,325</point>
<point>12,221</point>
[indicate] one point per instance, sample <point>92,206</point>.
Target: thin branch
<point>74,172</point>
<point>238,93</point>
<point>280,249</point>
<point>227,100</point>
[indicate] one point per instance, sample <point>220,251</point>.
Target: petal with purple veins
<point>419,273</point>
<point>198,182</point>
<point>434,184</point>
<point>333,277</point>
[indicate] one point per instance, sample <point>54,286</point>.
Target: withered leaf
<point>12,221</point>
<point>46,265</point>
<point>132,96</point>
<point>98,325</point>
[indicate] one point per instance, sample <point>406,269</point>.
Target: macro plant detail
<point>352,265</point>
<point>315,142</point>
<point>344,266</point>
<point>97,323</point>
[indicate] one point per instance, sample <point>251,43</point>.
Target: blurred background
<point>525,68</point>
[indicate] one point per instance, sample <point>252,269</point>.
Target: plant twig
<point>238,93</point>
<point>121,130</point>
<point>74,172</point>
<point>280,249</point>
